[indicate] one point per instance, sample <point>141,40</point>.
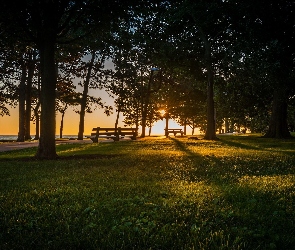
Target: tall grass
<point>157,193</point>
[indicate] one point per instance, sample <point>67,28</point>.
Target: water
<point>14,137</point>
<point>8,137</point>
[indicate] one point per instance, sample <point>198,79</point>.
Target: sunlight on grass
<point>153,193</point>
<point>266,183</point>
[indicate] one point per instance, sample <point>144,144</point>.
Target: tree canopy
<point>218,62</point>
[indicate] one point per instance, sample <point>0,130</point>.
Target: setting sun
<point>162,112</point>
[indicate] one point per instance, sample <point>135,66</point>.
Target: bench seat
<point>174,131</point>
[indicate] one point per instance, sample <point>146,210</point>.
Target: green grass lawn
<point>154,193</point>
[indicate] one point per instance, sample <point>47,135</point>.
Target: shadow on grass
<point>181,146</point>
<point>249,197</point>
<point>67,157</point>
<point>230,168</point>
<point>238,144</point>
<point>285,146</point>
<point>120,207</point>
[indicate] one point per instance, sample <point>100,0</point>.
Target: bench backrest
<point>105,129</point>
<point>127,129</point>
<point>119,129</point>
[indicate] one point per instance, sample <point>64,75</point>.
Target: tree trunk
<point>36,110</point>
<point>61,127</point>
<point>167,124</point>
<point>21,98</point>
<point>150,130</point>
<point>31,69</point>
<point>117,120</point>
<point>62,122</point>
<point>137,120</point>
<point>37,117</point>
<point>278,126</point>
<point>84,97</point>
<point>145,106</point>
<point>211,130</point>
<point>143,124</point>
<point>46,148</point>
<point>226,125</point>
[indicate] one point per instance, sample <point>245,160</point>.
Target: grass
<point>154,193</point>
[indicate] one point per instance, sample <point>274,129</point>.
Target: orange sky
<point>9,124</point>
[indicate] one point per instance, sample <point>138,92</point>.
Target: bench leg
<point>94,139</point>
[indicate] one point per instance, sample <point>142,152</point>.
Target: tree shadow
<point>238,144</point>
<point>248,198</point>
<point>232,167</point>
<point>63,158</point>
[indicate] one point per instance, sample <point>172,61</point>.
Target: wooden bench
<point>113,133</point>
<point>174,131</point>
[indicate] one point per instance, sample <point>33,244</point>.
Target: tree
<point>3,109</point>
<point>135,54</point>
<point>120,84</point>
<point>26,64</point>
<point>291,112</point>
<point>199,32</point>
<point>9,78</point>
<point>244,98</point>
<point>91,74</point>
<point>191,105</point>
<point>66,96</point>
<point>47,23</point>
<point>21,103</point>
<point>31,65</point>
<point>132,78</point>
<point>270,28</point>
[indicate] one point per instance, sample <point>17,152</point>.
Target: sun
<point>162,112</point>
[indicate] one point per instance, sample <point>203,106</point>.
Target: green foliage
<point>156,193</point>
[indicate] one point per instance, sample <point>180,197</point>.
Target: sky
<point>9,124</point>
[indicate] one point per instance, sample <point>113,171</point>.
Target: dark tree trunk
<point>145,106</point>
<point>118,115</point>
<point>21,98</point>
<point>37,117</point>
<point>36,110</point>
<point>211,130</point>
<point>46,148</point>
<point>31,68</point>
<point>167,124</point>
<point>84,97</point>
<point>46,43</point>
<point>62,121</point>
<point>117,120</point>
<point>226,125</point>
<point>137,120</point>
<point>193,129</point>
<point>143,118</point>
<point>150,130</point>
<point>278,127</point>
<point>143,124</point>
